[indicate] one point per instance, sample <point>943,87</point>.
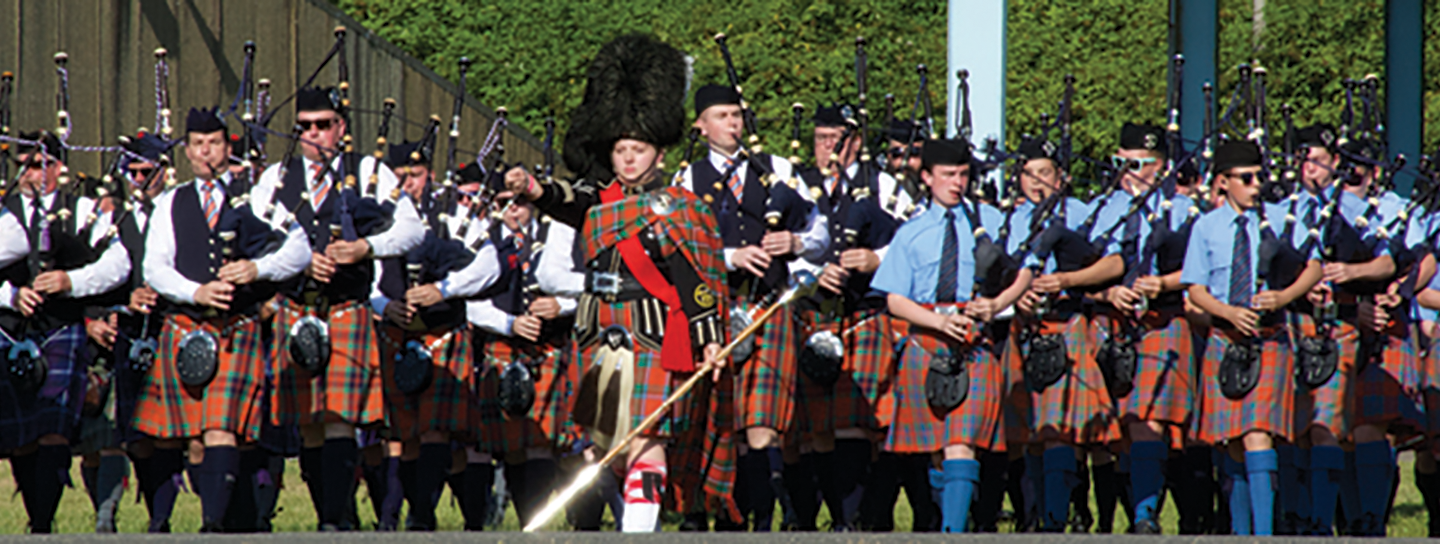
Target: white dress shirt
<point>814,240</point>
<point>106,273</point>
<point>555,268</point>
<point>406,232</point>
<point>480,274</point>
<point>159,263</point>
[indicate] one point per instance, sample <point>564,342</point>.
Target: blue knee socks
<point>1147,477</point>
<point>1059,479</point>
<point>1237,485</point>
<point>1375,466</point>
<point>1327,467</point>
<point>1261,466</point>
<point>961,475</point>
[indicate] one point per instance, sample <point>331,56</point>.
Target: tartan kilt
<point>349,390</point>
<point>853,401</point>
<point>702,459</point>
<point>128,387</point>
<point>652,383</point>
<point>168,408</point>
<point>766,383</point>
<point>445,404</point>
<point>1076,409</point>
<point>546,425</point>
<point>1432,387</point>
<point>976,422</point>
<point>1388,390</point>
<point>1327,406</point>
<point>1164,375</point>
<point>55,407</point>
<point>1267,408</point>
<point>1015,405</point>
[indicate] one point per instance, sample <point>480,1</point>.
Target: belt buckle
<point>606,283</point>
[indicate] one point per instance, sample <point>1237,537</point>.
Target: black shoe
<point>695,523</point>
<point>1146,527</point>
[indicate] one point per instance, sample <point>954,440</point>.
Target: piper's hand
<point>142,299</point>
<point>779,243</point>
<point>1148,285</point>
<point>1051,283</point>
<point>421,296</point>
<point>753,259</point>
<point>1028,301</point>
<point>344,252</point>
<point>1338,272</point>
<point>833,277</point>
<point>1122,297</point>
<point>399,312</point>
<point>53,282</point>
<point>545,308</point>
<point>982,309</point>
<point>520,182</point>
<point>27,300</point>
<point>216,294</point>
<point>321,267</point>
<point>102,331</point>
<point>527,327</point>
<point>711,353</point>
<point>1265,301</point>
<point>239,272</point>
<point>1244,320</point>
<point>1319,294</point>
<point>958,326</point>
<point>860,259</point>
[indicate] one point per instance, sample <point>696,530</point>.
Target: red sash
<point>676,353</point>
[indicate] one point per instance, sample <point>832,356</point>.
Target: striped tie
<point>834,186</point>
<point>319,187</point>
<point>1241,284</point>
<point>212,204</point>
<point>946,284</point>
<point>736,187</point>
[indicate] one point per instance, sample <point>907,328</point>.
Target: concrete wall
<point>111,46</point>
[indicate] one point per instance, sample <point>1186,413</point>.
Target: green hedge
<point>531,56</point>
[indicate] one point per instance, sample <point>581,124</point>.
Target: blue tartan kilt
<point>25,416</point>
<point>128,386</point>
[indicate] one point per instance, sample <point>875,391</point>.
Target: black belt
<point>614,286</point>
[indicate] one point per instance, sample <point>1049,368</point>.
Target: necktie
<point>1241,283</point>
<point>208,200</point>
<point>736,187</point>
<point>319,187</point>
<point>1132,257</point>
<point>949,262</point>
<point>834,186</point>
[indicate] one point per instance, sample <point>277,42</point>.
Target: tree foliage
<point>531,56</point>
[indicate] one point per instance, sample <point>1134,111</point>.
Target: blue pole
<point>1404,59</point>
<point>1198,30</point>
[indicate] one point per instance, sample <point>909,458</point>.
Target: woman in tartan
<point>654,288</point>
<point>420,297</point>
<point>932,288</point>
<point>205,257</point>
<point>1222,260</point>
<point>1147,314</point>
<point>524,329</point>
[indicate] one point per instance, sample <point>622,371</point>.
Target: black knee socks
<point>218,472</point>
<point>389,516</point>
<point>529,484</point>
<point>758,468</point>
<point>992,491</point>
<point>1081,520</point>
<point>165,468</point>
<point>311,461</point>
<point>110,488</point>
<point>52,472</point>
<point>338,478</point>
<point>375,484</point>
<point>479,478</point>
<point>430,471</point>
<point>1106,495</point>
<point>801,484</point>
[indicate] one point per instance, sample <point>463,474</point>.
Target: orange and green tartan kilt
<point>652,383</point>
<point>1164,375</point>
<point>545,426</point>
<point>1269,407</point>
<point>445,404</point>
<point>168,408</point>
<point>702,459</point>
<point>766,383</point>
<point>1388,391</point>
<point>1432,387</point>
<point>853,401</point>
<point>1075,409</point>
<point>349,388</point>
<point>1327,406</point>
<point>976,422</point>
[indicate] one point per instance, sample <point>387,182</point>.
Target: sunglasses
<point>1248,178</point>
<point>29,164</point>
<point>322,124</point>
<point>897,152</point>
<point>1133,165</point>
<point>141,173</point>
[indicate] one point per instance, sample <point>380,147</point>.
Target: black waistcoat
<point>199,252</point>
<point>741,223</point>
<point>351,281</point>
<point>63,249</point>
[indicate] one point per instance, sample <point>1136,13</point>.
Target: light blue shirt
<point>1074,211</point>
<point>1211,252</point>
<point>911,267</point>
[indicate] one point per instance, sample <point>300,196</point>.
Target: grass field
<point>296,514</point>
